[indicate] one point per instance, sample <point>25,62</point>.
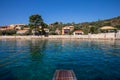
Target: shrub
<point>52,33</point>
<point>8,32</point>
<point>0,32</point>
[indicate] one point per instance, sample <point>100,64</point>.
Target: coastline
<point>105,36</point>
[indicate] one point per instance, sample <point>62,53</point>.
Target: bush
<point>0,32</point>
<point>8,32</point>
<point>4,32</point>
<point>52,33</point>
<point>27,33</point>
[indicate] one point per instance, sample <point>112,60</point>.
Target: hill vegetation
<point>88,27</point>
<point>37,25</point>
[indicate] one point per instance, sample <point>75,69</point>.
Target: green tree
<point>0,32</point>
<point>117,26</point>
<point>93,29</point>
<point>44,25</point>
<point>35,21</point>
<point>55,26</point>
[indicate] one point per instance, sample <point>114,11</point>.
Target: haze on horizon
<point>18,11</point>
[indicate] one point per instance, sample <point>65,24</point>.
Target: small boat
<point>64,75</point>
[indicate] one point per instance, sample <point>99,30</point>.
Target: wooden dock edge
<point>64,75</point>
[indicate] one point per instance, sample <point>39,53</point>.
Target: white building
<point>78,32</point>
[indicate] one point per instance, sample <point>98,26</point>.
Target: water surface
<point>38,59</point>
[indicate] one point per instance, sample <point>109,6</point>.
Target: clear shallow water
<point>38,59</point>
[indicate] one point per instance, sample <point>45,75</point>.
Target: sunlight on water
<point>38,59</point>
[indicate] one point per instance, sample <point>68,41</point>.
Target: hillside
<point>87,26</point>
<point>92,27</point>
<point>115,22</point>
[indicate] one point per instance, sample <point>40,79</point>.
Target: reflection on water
<point>37,49</point>
<point>38,59</point>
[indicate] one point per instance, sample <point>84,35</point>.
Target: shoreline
<point>89,37</point>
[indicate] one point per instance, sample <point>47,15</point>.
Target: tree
<point>55,26</point>
<point>35,21</point>
<point>117,26</point>
<point>0,32</point>
<point>44,25</point>
<point>93,29</point>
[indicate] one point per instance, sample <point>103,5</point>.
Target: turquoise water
<point>38,59</point>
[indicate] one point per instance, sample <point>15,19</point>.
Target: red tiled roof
<point>26,28</point>
<point>22,31</point>
<point>6,28</point>
<point>78,31</point>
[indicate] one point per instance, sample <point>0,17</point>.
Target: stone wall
<point>103,36</point>
<point>118,35</point>
<point>89,36</point>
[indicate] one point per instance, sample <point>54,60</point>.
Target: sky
<point>66,11</point>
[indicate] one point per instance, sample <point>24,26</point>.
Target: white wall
<point>90,36</point>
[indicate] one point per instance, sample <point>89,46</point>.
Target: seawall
<point>106,36</point>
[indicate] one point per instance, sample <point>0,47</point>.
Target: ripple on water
<point>38,59</point>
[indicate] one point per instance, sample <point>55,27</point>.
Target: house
<point>5,28</point>
<point>17,26</point>
<point>12,27</point>
<point>78,32</point>
<point>26,28</point>
<point>22,31</point>
<point>36,32</point>
<point>57,31</point>
<point>46,30</point>
<point>67,29</point>
<point>108,29</point>
<point>118,31</point>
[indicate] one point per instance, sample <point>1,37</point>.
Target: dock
<point>64,75</point>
